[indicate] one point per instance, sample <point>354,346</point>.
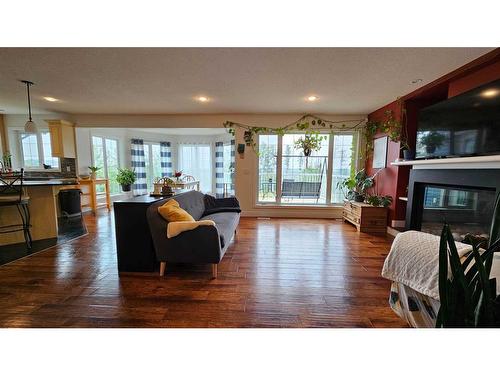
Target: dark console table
<point>134,246</point>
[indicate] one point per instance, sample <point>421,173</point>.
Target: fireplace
<point>464,198</point>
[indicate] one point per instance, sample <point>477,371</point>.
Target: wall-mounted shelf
<point>489,161</point>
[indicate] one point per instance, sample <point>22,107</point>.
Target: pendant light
<point>30,126</point>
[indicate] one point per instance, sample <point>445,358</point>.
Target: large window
<point>152,157</point>
<point>105,156</point>
<point>286,176</point>
<point>196,160</point>
<point>36,151</point>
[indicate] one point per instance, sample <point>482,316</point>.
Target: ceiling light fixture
<point>490,93</point>
<point>312,98</point>
<point>50,99</point>
<point>30,126</point>
<point>202,99</point>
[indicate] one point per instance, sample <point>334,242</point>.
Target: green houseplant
<point>125,177</point>
<point>355,187</point>
<point>93,171</point>
<point>467,294</point>
<point>310,142</point>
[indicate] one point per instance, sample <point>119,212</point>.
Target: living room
<point>206,187</point>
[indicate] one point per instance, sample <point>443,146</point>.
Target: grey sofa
<point>205,244</point>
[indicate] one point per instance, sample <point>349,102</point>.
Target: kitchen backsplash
<point>63,173</point>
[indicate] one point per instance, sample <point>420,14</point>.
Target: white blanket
<point>414,261</point>
<point>175,228</point>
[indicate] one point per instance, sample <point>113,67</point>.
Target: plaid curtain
<point>166,159</point>
<point>232,167</point>
<point>219,169</point>
<point>138,163</point>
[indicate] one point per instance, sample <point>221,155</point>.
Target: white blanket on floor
<point>414,261</point>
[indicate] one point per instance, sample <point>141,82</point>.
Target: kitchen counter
<point>51,182</point>
<point>44,208</point>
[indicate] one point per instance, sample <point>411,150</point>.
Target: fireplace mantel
<point>472,162</point>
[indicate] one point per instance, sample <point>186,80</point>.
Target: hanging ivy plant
<point>310,142</point>
<point>308,123</point>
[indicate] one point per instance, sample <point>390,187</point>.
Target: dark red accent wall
<point>393,180</point>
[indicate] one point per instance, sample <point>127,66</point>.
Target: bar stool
<point>12,194</point>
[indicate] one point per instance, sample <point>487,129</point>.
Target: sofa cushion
<point>226,223</point>
<point>192,202</point>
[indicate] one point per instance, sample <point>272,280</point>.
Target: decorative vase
<point>307,151</point>
<point>93,175</point>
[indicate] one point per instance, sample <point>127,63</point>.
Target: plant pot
<point>307,151</point>
<point>359,197</point>
<point>408,154</point>
<point>93,175</point>
<point>126,187</point>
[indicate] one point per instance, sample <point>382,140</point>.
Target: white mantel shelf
<point>472,162</point>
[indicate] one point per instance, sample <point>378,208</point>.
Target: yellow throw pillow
<point>171,211</point>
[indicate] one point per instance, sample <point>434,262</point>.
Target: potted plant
<point>431,141</point>
<point>467,294</point>
<point>310,142</point>
<point>356,186</point>
<point>125,177</point>
<point>93,172</point>
<point>379,200</point>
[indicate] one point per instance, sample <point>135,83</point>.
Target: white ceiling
<point>238,80</point>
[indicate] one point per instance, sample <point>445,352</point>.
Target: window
<point>196,160</point>
<point>152,157</point>
<point>286,176</point>
<point>36,151</point>
<point>105,156</point>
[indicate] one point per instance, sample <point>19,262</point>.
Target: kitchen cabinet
<point>62,138</point>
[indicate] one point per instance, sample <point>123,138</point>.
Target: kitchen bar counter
<point>43,206</point>
<point>52,182</point>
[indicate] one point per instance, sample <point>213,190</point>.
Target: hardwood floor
<point>276,273</point>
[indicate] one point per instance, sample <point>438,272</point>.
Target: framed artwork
<point>380,152</point>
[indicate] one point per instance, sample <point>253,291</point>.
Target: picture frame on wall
<point>380,152</point>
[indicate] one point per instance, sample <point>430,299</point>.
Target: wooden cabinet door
<point>56,141</point>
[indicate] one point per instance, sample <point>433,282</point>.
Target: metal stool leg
<point>25,217</point>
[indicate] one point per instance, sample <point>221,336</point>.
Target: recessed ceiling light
<point>418,80</point>
<point>490,93</point>
<point>312,98</point>
<point>50,99</point>
<point>202,99</point>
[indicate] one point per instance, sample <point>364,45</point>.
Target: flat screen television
<point>465,125</point>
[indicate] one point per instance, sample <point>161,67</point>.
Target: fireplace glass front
<point>467,210</point>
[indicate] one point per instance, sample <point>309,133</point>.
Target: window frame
<point>105,154</point>
<point>41,157</point>
<point>329,171</point>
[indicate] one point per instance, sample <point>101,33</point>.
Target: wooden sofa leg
<point>214,271</point>
<point>163,265</point>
